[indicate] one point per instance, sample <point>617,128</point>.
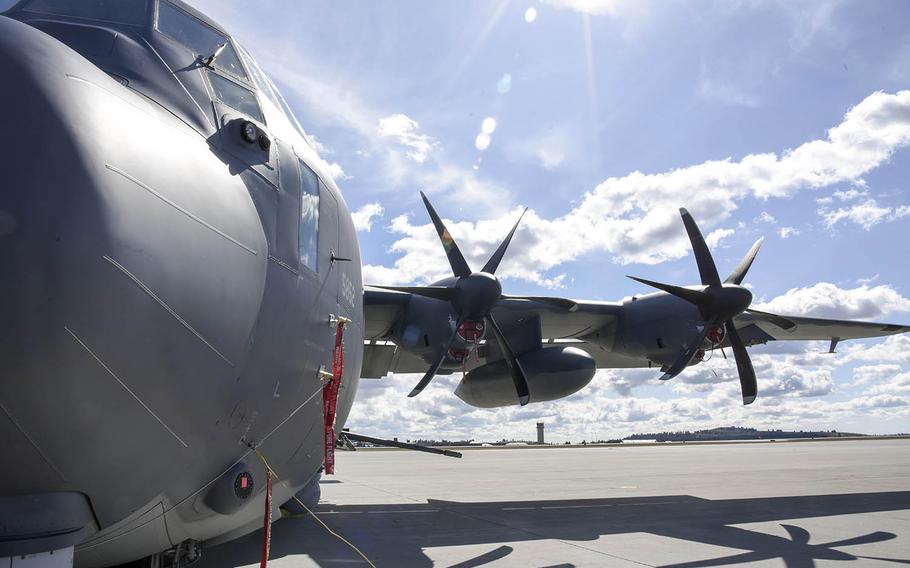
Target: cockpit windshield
<point>133,12</point>
<point>277,113</point>
<point>199,37</point>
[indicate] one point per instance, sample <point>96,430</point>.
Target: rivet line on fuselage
<point>124,385</point>
<point>202,222</point>
<point>166,307</point>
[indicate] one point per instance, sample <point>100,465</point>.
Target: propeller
<point>473,297</point>
<point>719,302</point>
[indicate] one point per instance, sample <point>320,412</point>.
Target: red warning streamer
<point>267,528</point>
<point>330,398</point>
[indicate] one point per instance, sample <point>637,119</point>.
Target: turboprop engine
<point>552,372</point>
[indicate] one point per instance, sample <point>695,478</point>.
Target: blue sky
<point>784,119</point>
<point>603,118</point>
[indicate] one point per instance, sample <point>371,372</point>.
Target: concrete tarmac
<point>793,504</point>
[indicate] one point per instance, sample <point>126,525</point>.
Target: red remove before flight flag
<point>330,397</point>
<point>267,528</point>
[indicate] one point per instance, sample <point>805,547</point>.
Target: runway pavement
<point>793,504</point>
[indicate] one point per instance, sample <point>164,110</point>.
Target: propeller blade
<point>798,535</point>
<point>739,273</point>
<point>456,259</point>
<point>431,372</point>
<point>492,264</point>
<point>706,267</point>
<point>877,536</point>
<point>436,292</point>
<point>687,355</point>
<point>743,364</point>
<point>518,374</point>
<point>696,297</point>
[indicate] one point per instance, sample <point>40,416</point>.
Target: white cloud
<point>405,131</point>
<point>716,238</point>
<point>766,217</point>
<point>850,194</point>
<point>634,217</point>
<point>363,217</point>
<point>336,171</point>
<point>827,300</point>
<point>894,349</point>
<point>717,90</point>
<point>787,232</point>
<point>866,374</point>
<point>548,149</point>
<point>866,214</point>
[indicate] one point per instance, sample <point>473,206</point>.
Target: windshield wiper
<point>209,60</point>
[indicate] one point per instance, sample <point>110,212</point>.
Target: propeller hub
<point>728,301</point>
<point>477,294</point>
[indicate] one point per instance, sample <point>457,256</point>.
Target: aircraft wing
<point>559,318</point>
<point>759,327</point>
<point>382,309</point>
<point>588,325</point>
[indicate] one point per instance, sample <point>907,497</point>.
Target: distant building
<point>540,433</point>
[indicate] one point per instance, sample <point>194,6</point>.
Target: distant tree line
<point>736,433</point>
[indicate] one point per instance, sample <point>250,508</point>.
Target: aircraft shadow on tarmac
<point>394,535</point>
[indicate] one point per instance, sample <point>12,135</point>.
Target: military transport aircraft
<point>181,277</point>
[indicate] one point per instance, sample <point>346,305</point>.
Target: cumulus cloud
<point>336,171</point>
<point>827,300</point>
<point>717,237</point>
<point>634,217</point>
<point>406,131</point>
<point>787,232</point>
<point>363,217</point>
<point>893,349</point>
<point>866,214</point>
<point>866,374</point>
<point>766,217</point>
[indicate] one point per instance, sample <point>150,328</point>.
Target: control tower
<point>540,433</point>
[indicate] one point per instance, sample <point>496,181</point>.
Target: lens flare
<point>504,85</point>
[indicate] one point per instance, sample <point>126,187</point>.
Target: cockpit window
<point>309,217</point>
<point>131,12</point>
<point>199,37</point>
<point>278,115</point>
<point>235,96</point>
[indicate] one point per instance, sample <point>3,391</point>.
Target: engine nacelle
<point>552,372</point>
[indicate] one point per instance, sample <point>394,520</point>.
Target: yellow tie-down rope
<point>310,511</point>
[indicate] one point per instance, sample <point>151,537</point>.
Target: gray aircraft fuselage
<point>166,293</point>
